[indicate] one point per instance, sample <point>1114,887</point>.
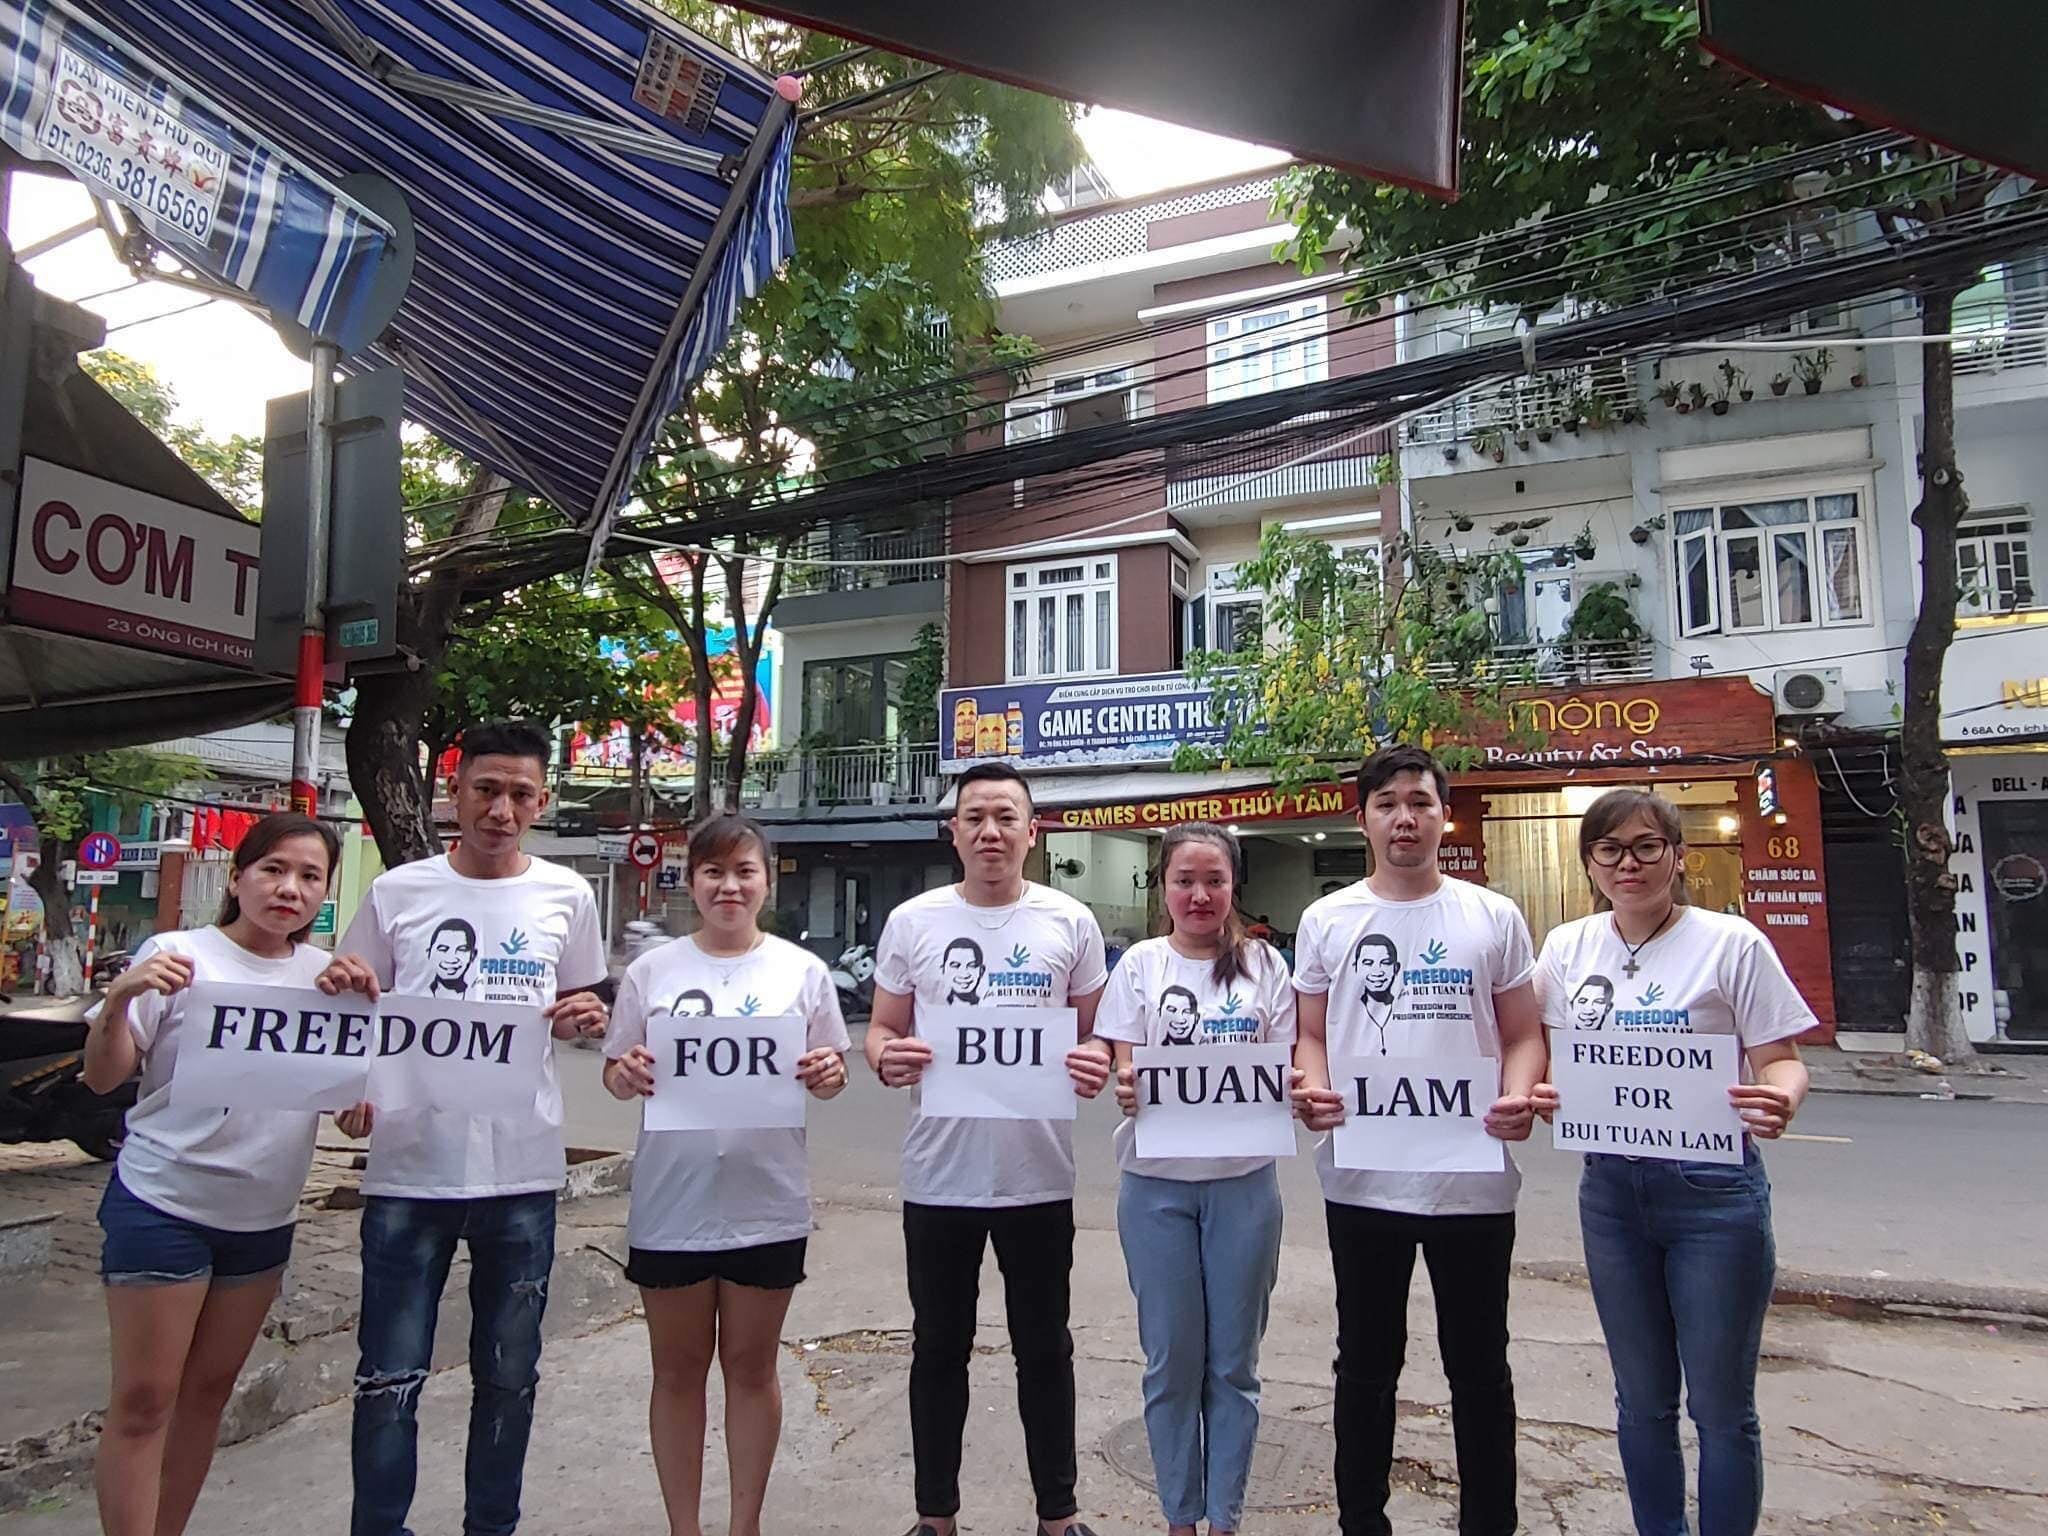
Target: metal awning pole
<point>308,695</point>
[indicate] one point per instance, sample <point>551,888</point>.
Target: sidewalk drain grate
<point>1291,1465</point>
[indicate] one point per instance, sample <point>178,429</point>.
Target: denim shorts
<point>146,1246</point>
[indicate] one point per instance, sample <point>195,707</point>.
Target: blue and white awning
<point>594,191</point>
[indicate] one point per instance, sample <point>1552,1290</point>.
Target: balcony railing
<point>1997,349</point>
<point>1308,456</point>
<point>1580,663</point>
<point>1544,403</point>
<point>896,773</point>
<point>1110,234</point>
<point>899,558</point>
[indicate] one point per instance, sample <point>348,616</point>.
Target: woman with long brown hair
<point>1680,1254</point>
<point>198,1214</point>
<point>1201,1236</point>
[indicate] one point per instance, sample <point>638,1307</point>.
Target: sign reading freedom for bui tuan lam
<point>1417,1114</point>
<point>998,1063</point>
<point>1214,1100</point>
<point>724,1074</point>
<point>253,1047</point>
<point>1646,1094</point>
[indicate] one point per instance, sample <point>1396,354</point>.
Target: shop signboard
<point>1633,726</point>
<point>1090,723</point>
<point>1994,684</point>
<point>1230,807</point>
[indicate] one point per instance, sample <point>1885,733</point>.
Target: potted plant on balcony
<point>1574,413</point>
<point>1583,546</point>
<point>1734,380</point>
<point>1668,392</point>
<point>1602,631</point>
<point>1599,412</point>
<point>1492,442</point>
<point>1812,367</point>
<point>1719,404</point>
<point>1780,382</point>
<point>1640,534</point>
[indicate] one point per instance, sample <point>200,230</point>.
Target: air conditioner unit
<point>1812,691</point>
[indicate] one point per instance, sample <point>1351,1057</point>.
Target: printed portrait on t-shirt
<point>693,1004</point>
<point>1181,1013</point>
<point>1593,1002</point>
<point>452,949</point>
<point>965,970</point>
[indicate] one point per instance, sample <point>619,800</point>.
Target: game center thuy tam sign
<point>1088,723</point>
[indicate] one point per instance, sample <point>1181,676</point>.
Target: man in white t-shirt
<point>493,924</point>
<point>1409,963</point>
<point>967,1183</point>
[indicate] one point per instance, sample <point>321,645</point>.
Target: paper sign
<point>473,1058</point>
<point>998,1063</point>
<point>1214,1100</point>
<point>724,1074</point>
<point>1417,1114</point>
<point>1645,1093</point>
<point>256,1047</point>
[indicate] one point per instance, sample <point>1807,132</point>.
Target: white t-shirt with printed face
<point>698,1190</point>
<point>939,950</point>
<point>240,1169</point>
<point>1157,996</point>
<point>429,931</point>
<point>1414,978</point>
<point>1708,973</point>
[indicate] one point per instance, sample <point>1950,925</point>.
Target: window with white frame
<point>1268,349</point>
<point>1062,618</point>
<point>1775,562</point>
<point>1358,573</point>
<point>1073,402</point>
<point>1234,610</point>
<point>1995,562</point>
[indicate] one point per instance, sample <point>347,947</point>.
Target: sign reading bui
<point>998,1063</point>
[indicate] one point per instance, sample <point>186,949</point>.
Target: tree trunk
<point>384,764</point>
<point>1935,1023</point>
<point>67,961</point>
<point>702,687</point>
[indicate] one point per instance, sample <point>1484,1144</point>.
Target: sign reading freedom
<point>286,1048</point>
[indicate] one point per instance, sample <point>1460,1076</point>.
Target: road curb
<point>1863,1296</point>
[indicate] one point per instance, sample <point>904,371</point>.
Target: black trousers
<point>1373,1254</point>
<point>1034,1244</point>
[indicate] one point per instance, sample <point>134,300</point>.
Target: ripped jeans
<point>407,1248</point>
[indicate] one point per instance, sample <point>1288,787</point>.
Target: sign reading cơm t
<point>103,560</point>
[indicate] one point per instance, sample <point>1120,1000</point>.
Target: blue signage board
<point>1085,723</point>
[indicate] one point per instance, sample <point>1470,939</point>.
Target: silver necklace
<point>1003,915</point>
<point>727,969</point>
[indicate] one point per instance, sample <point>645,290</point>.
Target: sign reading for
<point>1417,1114</point>
<point>1214,1100</point>
<point>998,1063</point>
<point>1646,1094</point>
<point>724,1074</point>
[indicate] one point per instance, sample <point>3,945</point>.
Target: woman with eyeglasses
<point>1680,1254</point>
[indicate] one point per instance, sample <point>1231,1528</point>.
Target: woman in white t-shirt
<point>1201,1236</point>
<point>720,1219</point>
<point>1680,1254</point>
<point>198,1214</point>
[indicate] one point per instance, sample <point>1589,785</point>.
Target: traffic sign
<point>611,847</point>
<point>323,920</point>
<point>674,860</point>
<point>644,849</point>
<point>99,850</point>
<point>98,877</point>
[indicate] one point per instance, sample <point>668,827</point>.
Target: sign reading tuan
<point>1417,1114</point>
<point>1646,1094</point>
<point>734,1074</point>
<point>998,1063</point>
<point>1214,1100</point>
<point>253,1047</point>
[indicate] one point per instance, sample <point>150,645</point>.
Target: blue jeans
<point>407,1248</point>
<point>1202,1255</point>
<point>1682,1262</point>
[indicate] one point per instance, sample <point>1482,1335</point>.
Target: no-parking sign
<point>99,850</point>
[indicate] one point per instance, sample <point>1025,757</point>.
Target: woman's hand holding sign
<point>631,1076</point>
<point>1127,1089</point>
<point>1766,1109</point>
<point>823,1071</point>
<point>348,973</point>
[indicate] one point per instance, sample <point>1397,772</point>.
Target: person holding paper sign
<point>1201,1236</point>
<point>720,1218</point>
<point>499,926</point>
<point>1680,1253</point>
<point>1407,963</point>
<point>198,1214</point>
<point>970,1182</point>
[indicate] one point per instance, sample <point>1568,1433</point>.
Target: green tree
<point>233,467</point>
<point>61,793</point>
<point>1568,105</point>
<point>1348,657</point>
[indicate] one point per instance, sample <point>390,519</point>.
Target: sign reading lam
<point>99,559</point>
<point>1214,1100</point>
<point>1646,1094</point>
<point>1417,1114</point>
<point>998,1063</point>
<point>724,1074</point>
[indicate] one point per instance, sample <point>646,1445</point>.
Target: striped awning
<point>593,188</point>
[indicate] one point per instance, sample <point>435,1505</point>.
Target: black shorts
<point>767,1266</point>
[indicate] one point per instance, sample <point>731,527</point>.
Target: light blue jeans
<point>1202,1256</point>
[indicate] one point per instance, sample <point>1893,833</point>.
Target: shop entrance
<point>2015,836</point>
<point>1532,848</point>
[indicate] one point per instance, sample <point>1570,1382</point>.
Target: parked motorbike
<point>853,974</point>
<point>43,1096</point>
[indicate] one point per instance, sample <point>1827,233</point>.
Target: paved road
<point>1909,1189</point>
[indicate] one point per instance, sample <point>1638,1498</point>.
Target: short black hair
<point>456,925</point>
<point>1393,950</point>
<point>967,944</point>
<point>1194,1003</point>
<point>994,773</point>
<point>1391,762</point>
<point>508,738</point>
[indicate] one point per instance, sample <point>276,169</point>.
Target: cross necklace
<point>1631,967</point>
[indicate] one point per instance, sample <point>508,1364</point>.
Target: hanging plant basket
<point>1639,534</point>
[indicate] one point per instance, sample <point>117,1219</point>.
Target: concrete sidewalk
<point>1869,1427</point>
<point>2006,1077</point>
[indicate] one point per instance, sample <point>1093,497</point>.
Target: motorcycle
<point>853,975</point>
<point>43,1096</point>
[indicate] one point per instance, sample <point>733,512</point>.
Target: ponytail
<point>1233,954</point>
